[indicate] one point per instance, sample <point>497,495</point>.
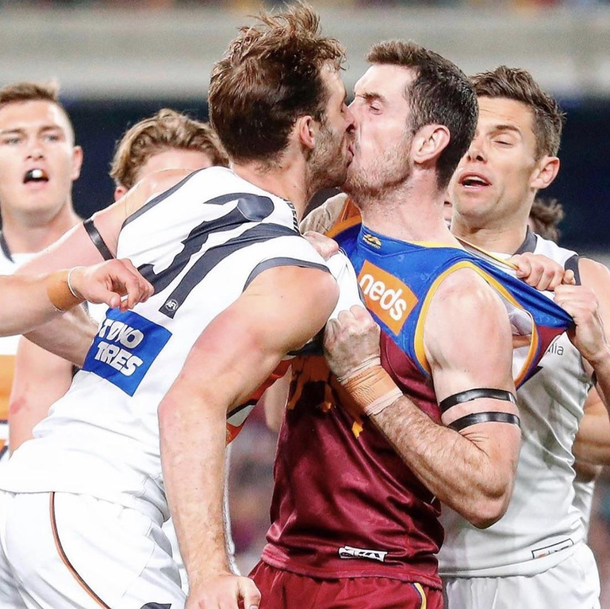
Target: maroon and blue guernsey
<point>345,504</point>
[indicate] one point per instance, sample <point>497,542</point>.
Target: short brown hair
<point>32,91</point>
<point>546,215</point>
<point>166,130</point>
<point>439,94</point>
<point>268,78</point>
<point>519,85</point>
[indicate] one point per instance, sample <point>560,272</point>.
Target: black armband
<point>484,417</point>
<point>97,239</point>
<point>475,394</point>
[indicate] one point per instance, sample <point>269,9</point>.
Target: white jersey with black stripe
<point>541,526</point>
<point>200,243</point>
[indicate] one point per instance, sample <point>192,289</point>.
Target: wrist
<point>60,291</point>
<point>372,389</point>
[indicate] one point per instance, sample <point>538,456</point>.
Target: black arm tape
<point>484,417</point>
<point>475,394</point>
<point>97,240</point>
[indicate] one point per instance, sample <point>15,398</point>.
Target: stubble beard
<point>328,164</point>
<point>383,174</point>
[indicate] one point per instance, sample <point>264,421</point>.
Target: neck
<point>505,237</point>
<point>412,211</point>
<point>287,181</point>
<point>25,234</point>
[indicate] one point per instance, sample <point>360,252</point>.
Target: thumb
<point>249,593</point>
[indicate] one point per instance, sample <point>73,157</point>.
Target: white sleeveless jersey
<point>541,526</point>
<point>583,501</point>
<point>200,243</point>
<point>9,263</point>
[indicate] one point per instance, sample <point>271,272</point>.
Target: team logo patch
<point>372,240</point>
<point>124,349</point>
<point>388,297</point>
<point>351,552</point>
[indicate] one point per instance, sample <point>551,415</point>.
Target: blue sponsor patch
<point>124,349</point>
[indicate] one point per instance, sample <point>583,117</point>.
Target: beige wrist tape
<point>373,390</point>
<point>59,291</point>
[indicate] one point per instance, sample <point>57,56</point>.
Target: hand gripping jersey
<point>541,526</point>
<point>8,347</point>
<point>200,244</point>
<point>345,504</point>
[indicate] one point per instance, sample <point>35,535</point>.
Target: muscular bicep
<point>468,344</point>
<point>282,309</point>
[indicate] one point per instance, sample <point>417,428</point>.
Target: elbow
<point>489,504</point>
<point>487,512</point>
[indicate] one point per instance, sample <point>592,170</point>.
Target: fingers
<point>325,246</point>
<point>539,271</point>
<point>127,281</point>
<point>569,278</point>
<point>249,593</point>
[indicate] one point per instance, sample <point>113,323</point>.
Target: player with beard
<point>39,161</point>
<point>536,556</point>
<point>362,468</point>
<point>236,288</point>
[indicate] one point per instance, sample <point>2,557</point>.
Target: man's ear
<point>429,142</point>
<point>545,172</point>
<point>307,129</point>
<point>119,191</point>
<point>77,162</point>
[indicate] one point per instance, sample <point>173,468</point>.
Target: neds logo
<point>388,297</point>
<point>125,347</point>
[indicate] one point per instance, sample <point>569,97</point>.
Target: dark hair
<point>31,91</point>
<point>268,78</point>
<point>166,130</point>
<point>545,215</point>
<point>518,85</point>
<point>439,94</point>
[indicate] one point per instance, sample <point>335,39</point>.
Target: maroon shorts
<point>285,590</point>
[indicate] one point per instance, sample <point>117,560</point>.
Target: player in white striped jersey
<point>236,288</point>
<point>592,445</point>
<point>536,555</point>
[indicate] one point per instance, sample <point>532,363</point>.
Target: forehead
<point>175,158</point>
<point>387,81</point>
<point>33,113</point>
<point>332,80</point>
<point>502,111</point>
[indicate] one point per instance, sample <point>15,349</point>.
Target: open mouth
<point>474,180</point>
<point>35,175</point>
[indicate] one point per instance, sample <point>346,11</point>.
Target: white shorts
<point>572,584</point>
<point>66,551</point>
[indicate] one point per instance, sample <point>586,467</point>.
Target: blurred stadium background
<point>121,60</point>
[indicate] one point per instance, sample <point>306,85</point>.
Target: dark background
<point>583,184</point>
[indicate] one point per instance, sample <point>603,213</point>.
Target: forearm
<point>601,367</point>
<point>69,336</point>
<point>454,468</point>
<point>26,302</point>
<point>40,379</point>
<point>592,444</point>
<point>193,456</point>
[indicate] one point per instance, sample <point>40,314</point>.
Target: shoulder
<point>593,273</point>
<point>159,182</point>
<point>465,288</point>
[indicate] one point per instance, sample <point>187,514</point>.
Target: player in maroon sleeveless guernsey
<point>357,496</point>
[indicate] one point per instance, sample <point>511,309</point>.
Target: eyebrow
<point>370,97</point>
<point>21,130</point>
<point>507,127</point>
